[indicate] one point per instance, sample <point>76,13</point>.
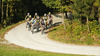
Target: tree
<point>2,13</point>
<point>61,5</point>
<point>87,10</point>
<point>0,10</point>
<point>7,9</point>
<point>84,8</point>
<point>97,4</point>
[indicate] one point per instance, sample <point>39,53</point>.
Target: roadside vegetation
<point>12,50</point>
<point>76,33</point>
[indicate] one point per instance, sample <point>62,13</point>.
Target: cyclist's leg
<point>29,28</point>
<point>37,27</point>
<point>32,28</point>
<point>26,24</point>
<point>42,29</point>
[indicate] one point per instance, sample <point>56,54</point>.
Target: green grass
<point>11,50</point>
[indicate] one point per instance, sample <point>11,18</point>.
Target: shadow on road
<point>54,25</point>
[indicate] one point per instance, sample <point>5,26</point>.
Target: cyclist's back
<point>49,15</point>
<point>42,22</point>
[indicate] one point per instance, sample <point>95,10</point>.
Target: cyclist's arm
<point>40,23</point>
<point>34,17</point>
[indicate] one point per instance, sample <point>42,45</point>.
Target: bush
<point>77,33</point>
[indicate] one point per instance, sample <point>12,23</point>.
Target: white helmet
<point>32,18</point>
<point>35,13</point>
<point>28,13</point>
<point>45,14</point>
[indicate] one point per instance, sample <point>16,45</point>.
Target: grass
<point>13,50</point>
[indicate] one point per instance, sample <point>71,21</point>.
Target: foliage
<point>61,5</point>
<point>76,33</point>
<point>17,10</point>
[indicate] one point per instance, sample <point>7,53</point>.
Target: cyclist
<point>33,22</point>
<point>45,18</point>
<point>29,22</point>
<point>35,16</point>
<point>50,19</point>
<point>27,18</point>
<point>42,24</point>
<point>37,23</point>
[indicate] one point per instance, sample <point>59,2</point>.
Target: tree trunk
<point>65,14</point>
<point>7,12</point>
<point>88,24</point>
<point>63,20</point>
<point>99,14</point>
<point>2,14</point>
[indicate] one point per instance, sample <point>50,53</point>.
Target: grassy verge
<point>76,33</point>
<point>13,50</point>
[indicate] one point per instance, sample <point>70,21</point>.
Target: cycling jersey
<point>42,22</point>
<point>32,21</point>
<point>45,18</point>
<point>37,22</point>
<point>49,15</point>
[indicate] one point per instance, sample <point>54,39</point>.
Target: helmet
<point>45,14</point>
<point>35,13</point>
<point>28,13</point>
<point>32,18</point>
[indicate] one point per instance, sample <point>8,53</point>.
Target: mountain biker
<point>45,18</point>
<point>27,18</point>
<point>37,23</point>
<point>50,18</point>
<point>33,22</point>
<point>42,24</point>
<point>35,16</point>
<point>29,24</point>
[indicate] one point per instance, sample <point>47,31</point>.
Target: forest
<point>12,11</point>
